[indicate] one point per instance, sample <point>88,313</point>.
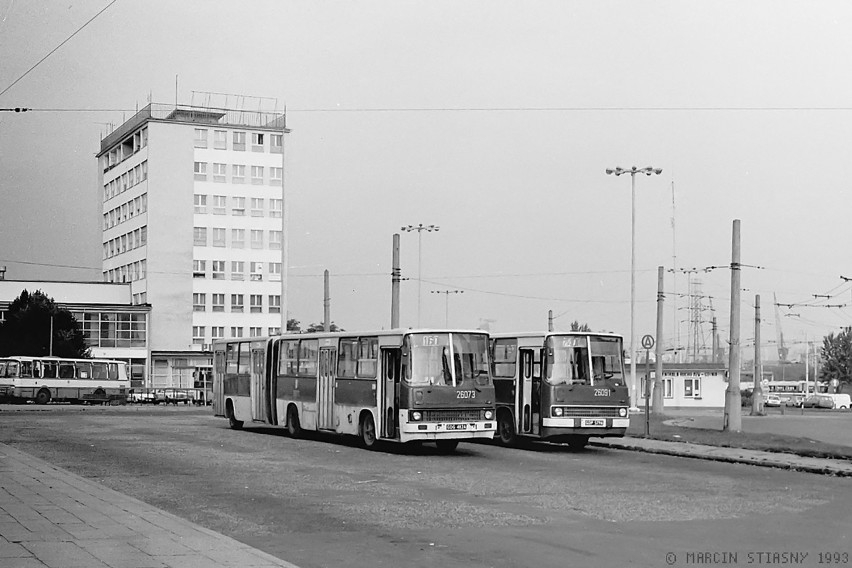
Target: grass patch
<point>659,430</point>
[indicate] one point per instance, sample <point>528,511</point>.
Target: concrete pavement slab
<point>52,517</point>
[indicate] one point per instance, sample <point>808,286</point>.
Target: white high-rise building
<point>192,204</point>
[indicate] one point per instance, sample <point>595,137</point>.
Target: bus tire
<point>578,442</point>
<point>367,428</point>
<point>232,419</point>
<point>506,428</point>
<point>294,429</point>
<point>447,446</point>
<point>42,397</point>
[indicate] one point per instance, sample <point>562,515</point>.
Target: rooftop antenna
<point>675,323</point>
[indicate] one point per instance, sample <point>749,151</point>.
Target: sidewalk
<point>731,455</point>
<point>51,517</point>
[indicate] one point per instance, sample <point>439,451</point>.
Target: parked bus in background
<point>400,386</point>
<point>46,379</point>
<point>559,386</point>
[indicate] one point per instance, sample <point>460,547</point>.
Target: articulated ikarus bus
<point>559,386</point>
<point>399,385</point>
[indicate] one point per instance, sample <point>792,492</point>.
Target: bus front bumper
<point>447,430</point>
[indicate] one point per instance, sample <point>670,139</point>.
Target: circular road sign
<point>647,341</point>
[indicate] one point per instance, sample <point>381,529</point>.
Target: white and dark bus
<point>395,386</point>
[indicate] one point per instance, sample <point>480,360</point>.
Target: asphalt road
<point>324,501</point>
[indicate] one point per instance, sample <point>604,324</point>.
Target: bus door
<point>325,388</point>
<point>258,385</point>
<point>218,379</point>
<point>525,390</point>
<point>389,392</point>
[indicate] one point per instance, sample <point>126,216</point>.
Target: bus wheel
<point>368,431</point>
<point>578,442</point>
<point>506,428</point>
<point>447,446</point>
<point>232,420</point>
<point>293,426</point>
<point>43,397</point>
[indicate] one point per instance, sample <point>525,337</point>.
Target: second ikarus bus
<point>401,386</point>
<point>559,386</point>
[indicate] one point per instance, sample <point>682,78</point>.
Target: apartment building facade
<point>192,212</point>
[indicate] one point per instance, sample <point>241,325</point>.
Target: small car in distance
<point>772,400</point>
<point>818,401</point>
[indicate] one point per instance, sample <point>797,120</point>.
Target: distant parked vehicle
<point>795,400</point>
<point>818,401</point>
<point>772,400</point>
<point>841,401</point>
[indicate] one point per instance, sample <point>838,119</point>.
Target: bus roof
<point>359,333</point>
<point>529,334</point>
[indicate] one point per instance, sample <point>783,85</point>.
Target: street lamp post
<point>419,228</point>
<point>446,294</point>
<point>633,171</point>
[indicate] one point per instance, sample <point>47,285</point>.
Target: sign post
<point>648,344</point>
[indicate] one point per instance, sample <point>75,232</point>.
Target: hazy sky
<point>495,120</point>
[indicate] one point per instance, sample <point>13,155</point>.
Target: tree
<point>836,355</point>
<point>577,326</point>
<point>293,325</point>
<point>27,329</point>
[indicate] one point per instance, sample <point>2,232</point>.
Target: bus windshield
<point>451,359</point>
<point>607,363</point>
<point>568,360</point>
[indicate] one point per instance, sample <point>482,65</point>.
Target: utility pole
<point>757,392</point>
<point>549,320</point>
<point>395,273</point>
<point>657,402</point>
<point>733,413</point>
<point>326,304</point>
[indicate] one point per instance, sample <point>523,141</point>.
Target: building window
<point>238,174</point>
<point>200,137</point>
<point>198,334</point>
<point>254,332</point>
<point>199,302</point>
<point>218,236</point>
<point>274,330</point>
<point>239,206</point>
<point>275,207</point>
<point>220,139</point>
<point>199,236</point>
<point>218,270</point>
<point>257,141</point>
<point>257,175</point>
<point>256,239</point>
<point>218,302</point>
<point>275,176</point>
<point>201,171</point>
<point>238,238</point>
<point>220,202</point>
<point>256,271</point>
<point>199,268</point>
<point>256,302</point>
<point>219,172</point>
<point>257,207</point>
<point>237,302</point>
<point>239,141</point>
<point>217,332</point>
<point>692,388</point>
<point>275,271</point>
<point>200,203</point>
<point>276,143</point>
<point>667,388</point>
<point>236,332</point>
<point>275,240</point>
<point>237,270</point>
<point>274,304</point>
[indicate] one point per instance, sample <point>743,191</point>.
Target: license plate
<point>456,426</point>
<point>596,422</point>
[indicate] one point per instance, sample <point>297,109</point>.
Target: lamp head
<point>609,171</point>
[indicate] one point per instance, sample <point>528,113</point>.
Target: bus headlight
<point>416,416</point>
<point>557,411</point>
<point>489,414</point>
<point>622,412</point>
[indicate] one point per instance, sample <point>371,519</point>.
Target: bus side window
<point>66,371</point>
